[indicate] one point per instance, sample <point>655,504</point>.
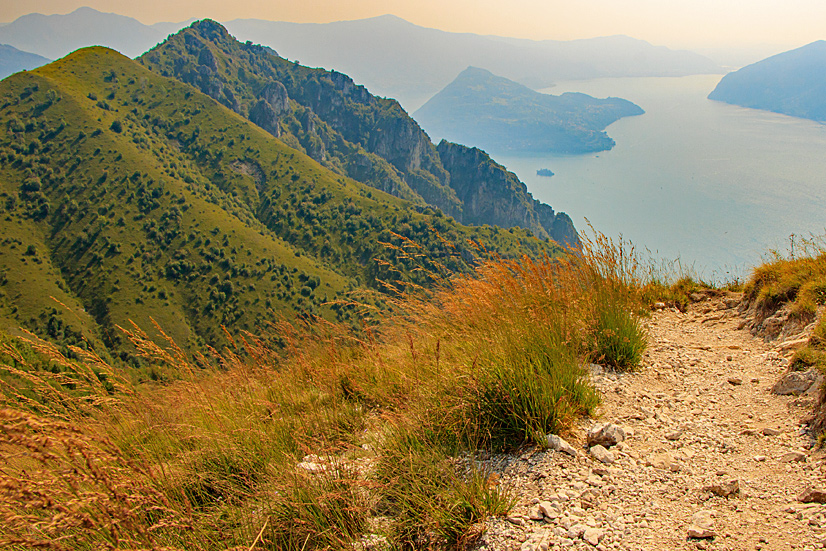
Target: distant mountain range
<point>54,36</point>
<point>502,116</point>
<point>398,59</point>
<point>13,60</point>
<point>391,57</point>
<point>792,83</point>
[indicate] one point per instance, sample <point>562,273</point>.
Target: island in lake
<point>544,172</point>
<point>496,114</point>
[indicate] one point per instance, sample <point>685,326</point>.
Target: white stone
<point>605,435</point>
<point>557,443</point>
<point>601,454</point>
<point>593,535</point>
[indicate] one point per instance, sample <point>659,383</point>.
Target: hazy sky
<point>675,23</point>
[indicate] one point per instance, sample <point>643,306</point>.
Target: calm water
<point>712,184</point>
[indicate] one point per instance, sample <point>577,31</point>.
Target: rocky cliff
<point>493,195</point>
<point>338,123</point>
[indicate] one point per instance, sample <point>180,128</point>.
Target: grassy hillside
<point>142,198</point>
<point>377,436</point>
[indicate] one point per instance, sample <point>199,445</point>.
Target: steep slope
<point>13,60</point>
<point>130,196</point>
<point>792,83</point>
<point>338,123</point>
<point>413,63</point>
<point>482,109</point>
<point>324,113</point>
<point>490,192</point>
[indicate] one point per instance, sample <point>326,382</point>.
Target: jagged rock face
<point>563,231</point>
<point>275,94</point>
<point>386,131</point>
<point>207,59</point>
<point>265,116</point>
<point>492,195</point>
<point>341,125</point>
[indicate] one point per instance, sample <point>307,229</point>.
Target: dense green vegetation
<point>481,109</point>
<point>130,196</point>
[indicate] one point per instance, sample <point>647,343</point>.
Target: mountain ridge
<point>13,60</point>
<point>790,83</point>
<point>431,57</point>
<point>334,120</point>
<point>129,196</point>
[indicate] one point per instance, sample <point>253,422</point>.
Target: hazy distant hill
<point>499,115</point>
<point>392,57</point>
<point>13,60</point>
<point>792,83</point>
<point>54,36</point>
<point>398,59</point>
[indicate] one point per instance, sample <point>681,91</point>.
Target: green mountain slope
<point>129,196</point>
<point>340,124</point>
<point>499,115</point>
<point>323,113</point>
<point>792,83</point>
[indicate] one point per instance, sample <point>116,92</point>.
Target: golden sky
<point>674,23</point>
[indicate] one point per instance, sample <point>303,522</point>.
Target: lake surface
<point>713,185</point>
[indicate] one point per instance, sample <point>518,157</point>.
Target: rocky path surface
<point>711,459</point>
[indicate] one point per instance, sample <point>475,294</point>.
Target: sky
<point>673,23</point>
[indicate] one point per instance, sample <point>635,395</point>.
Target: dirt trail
<point>699,416</point>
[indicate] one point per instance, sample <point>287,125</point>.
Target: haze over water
<point>712,184</point>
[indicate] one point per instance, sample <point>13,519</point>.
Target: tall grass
<point>334,435</point>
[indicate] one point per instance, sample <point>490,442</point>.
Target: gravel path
<point>709,451</point>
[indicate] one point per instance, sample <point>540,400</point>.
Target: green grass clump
<point>620,338</point>
<point>327,510</point>
<point>434,502</point>
<point>800,282</point>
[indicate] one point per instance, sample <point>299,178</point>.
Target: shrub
<point>620,338</point>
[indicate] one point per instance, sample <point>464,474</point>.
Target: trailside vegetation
<point>333,438</point>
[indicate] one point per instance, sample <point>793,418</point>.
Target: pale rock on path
<point>709,451</point>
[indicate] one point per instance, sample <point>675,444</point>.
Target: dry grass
<point>796,281</point>
<point>215,456</point>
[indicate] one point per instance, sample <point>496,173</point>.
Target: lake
<point>713,185</point>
